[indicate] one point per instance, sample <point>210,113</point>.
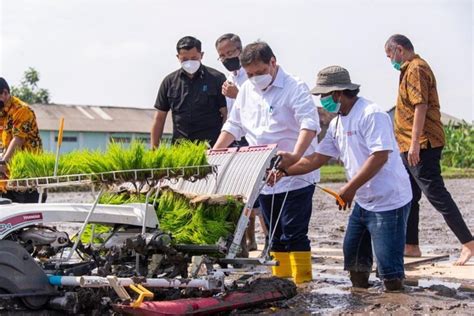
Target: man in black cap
<point>361,136</point>
<point>193,94</point>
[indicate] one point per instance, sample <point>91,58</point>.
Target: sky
<point>116,52</point>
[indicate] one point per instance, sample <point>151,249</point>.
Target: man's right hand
<point>274,176</point>
<point>230,90</point>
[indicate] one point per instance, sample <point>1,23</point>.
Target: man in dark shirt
<point>193,94</point>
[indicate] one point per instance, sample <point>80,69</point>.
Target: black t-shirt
<point>194,103</point>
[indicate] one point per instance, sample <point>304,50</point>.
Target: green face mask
<point>397,65</point>
<point>329,104</point>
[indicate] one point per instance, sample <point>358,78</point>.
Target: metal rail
<point>191,173</point>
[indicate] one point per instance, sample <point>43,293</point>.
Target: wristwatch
<point>2,162</point>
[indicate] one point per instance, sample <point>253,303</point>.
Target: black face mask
<point>232,64</point>
<point>2,104</point>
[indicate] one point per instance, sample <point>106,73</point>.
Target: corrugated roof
<point>112,119</point>
<point>83,118</point>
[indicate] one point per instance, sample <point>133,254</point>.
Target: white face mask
<point>191,66</point>
<point>262,82</point>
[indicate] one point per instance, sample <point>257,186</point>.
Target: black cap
<point>4,85</point>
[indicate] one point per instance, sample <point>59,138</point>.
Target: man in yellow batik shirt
<point>420,137</point>
<point>20,132</point>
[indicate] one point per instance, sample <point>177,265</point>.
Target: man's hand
<point>287,159</point>
<point>274,176</point>
<point>346,193</point>
<point>413,156</point>
<point>230,90</point>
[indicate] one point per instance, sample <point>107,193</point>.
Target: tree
<point>28,90</point>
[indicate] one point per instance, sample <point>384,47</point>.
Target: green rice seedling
<point>154,159</point>
<point>126,158</point>
<point>100,233</point>
<point>25,164</point>
<point>202,223</point>
<point>117,157</point>
<point>95,162</point>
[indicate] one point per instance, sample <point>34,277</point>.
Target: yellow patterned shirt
<point>418,86</point>
<point>20,120</point>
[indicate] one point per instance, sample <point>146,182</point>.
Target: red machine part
<point>209,305</point>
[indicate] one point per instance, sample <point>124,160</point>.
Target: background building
<point>93,127</point>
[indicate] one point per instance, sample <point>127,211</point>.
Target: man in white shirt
<point>273,107</point>
<point>229,47</point>
<point>362,137</point>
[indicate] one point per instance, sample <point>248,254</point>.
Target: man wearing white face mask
<point>273,107</point>
<point>193,94</point>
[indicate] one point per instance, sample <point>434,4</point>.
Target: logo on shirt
<point>351,133</point>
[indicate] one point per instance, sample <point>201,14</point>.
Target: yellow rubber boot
<point>301,269</point>
<point>284,269</point>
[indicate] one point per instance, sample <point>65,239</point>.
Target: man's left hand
<point>347,194</point>
<point>413,156</point>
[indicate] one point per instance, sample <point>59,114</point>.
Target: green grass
<point>457,173</point>
<point>333,173</point>
<point>459,149</point>
<point>336,173</point>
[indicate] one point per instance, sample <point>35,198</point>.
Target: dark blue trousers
<point>291,231</point>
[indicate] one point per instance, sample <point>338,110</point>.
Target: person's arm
<point>306,164</point>
<point>14,145</point>
<point>223,111</point>
<point>221,100</point>
<point>163,106</point>
<point>232,128</point>
<point>419,81</point>
<point>305,137</point>
<point>157,128</point>
<point>413,156</point>
<point>369,169</point>
<point>22,120</point>
<point>224,140</point>
<point>307,116</point>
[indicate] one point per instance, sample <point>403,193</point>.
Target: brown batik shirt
<point>418,86</point>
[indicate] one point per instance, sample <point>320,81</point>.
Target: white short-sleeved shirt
<point>276,116</point>
<point>365,130</point>
<point>237,78</point>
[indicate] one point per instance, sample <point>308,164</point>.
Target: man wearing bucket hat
<point>361,136</point>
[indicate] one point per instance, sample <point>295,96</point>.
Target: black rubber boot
<point>393,285</point>
<point>360,279</point>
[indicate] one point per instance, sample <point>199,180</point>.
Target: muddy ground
<point>330,292</point>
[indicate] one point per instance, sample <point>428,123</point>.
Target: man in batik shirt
<point>20,132</point>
